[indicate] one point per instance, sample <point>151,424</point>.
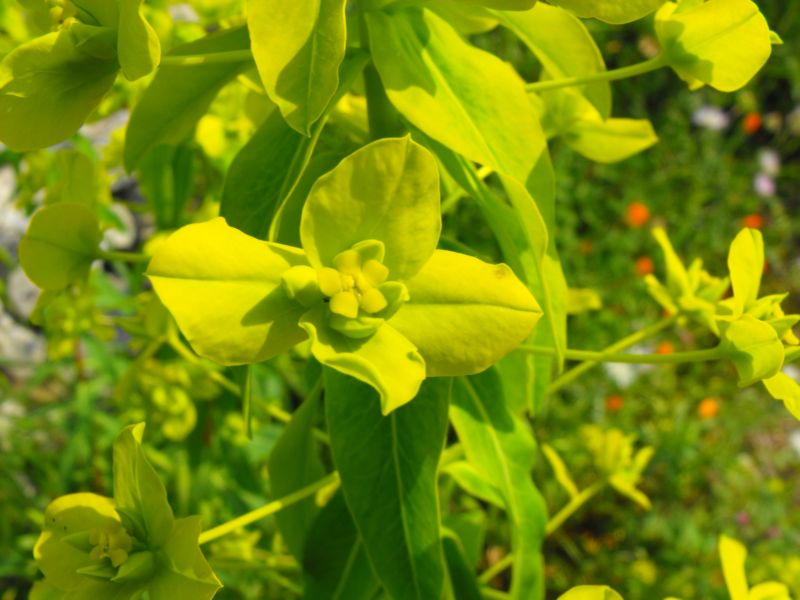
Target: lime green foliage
<point>733,554</point>
<point>50,85</point>
<point>60,244</point>
<point>92,546</point>
<point>615,460</point>
<point>591,592</point>
<point>721,43</point>
<point>298,47</point>
<point>377,299</point>
<point>611,11</point>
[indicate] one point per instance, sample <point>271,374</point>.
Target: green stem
<point>190,60</point>
<point>268,509</point>
<point>615,74</point>
<point>626,342</point>
<point>639,359</point>
<point>134,257</point>
<point>791,355</point>
<point>553,524</point>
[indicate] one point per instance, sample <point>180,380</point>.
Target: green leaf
<point>335,563</point>
<point>388,467</point>
<point>139,50</point>
<point>500,447</point>
<point>464,314</point>
<point>387,191</point>
<point>224,290</point>
<point>190,575</point>
<point>503,4</point>
<point>732,555</point>
<point>166,180</point>
<point>468,478</point>
<point>138,491</point>
<point>560,470</point>
<point>48,88</point>
<point>292,465</point>
<point>179,95</point>
<point>60,244</point>
<point>753,347</point>
<point>298,47</point>
<point>611,11</point>
<point>784,388</point>
<point>462,577</point>
<point>746,265</point>
<point>386,360</point>
<point>564,46</point>
<point>431,76</point>
<point>721,43</point>
<point>591,592</point>
<point>467,18</point>
<point>64,517</point>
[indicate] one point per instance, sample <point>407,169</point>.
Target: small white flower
<point>183,13</point>
<point>711,117</point>
<point>764,185</point>
<point>770,161</point>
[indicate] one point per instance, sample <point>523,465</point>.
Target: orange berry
<point>753,221</point>
<point>708,408</point>
<point>614,403</point>
<point>637,214</point>
<point>665,348</point>
<point>644,266</point>
<point>751,123</point>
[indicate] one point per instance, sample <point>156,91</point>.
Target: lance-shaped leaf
<point>387,191</point>
<point>386,360</point>
<point>464,314</point>
<point>590,592</point>
<point>500,447</point>
<point>431,75</point>
<point>787,390</point>
<point>60,244</point>
<point>224,290</point>
<point>138,47</point>
<point>180,94</point>
<point>564,46</point>
<point>721,43</point>
<point>746,265</point>
<point>611,11</point>
<point>462,576</point>
<point>48,88</point>
<point>294,464</point>
<point>732,555</point>
<point>298,47</point>
<point>388,470</point>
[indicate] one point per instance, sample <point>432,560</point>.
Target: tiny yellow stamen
<point>375,272</point>
<point>345,304</point>
<point>373,301</point>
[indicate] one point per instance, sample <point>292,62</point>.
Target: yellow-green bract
<point>96,547</point>
<point>369,288</point>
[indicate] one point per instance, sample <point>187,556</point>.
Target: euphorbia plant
<point>325,247</point>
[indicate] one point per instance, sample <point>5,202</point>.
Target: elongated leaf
<point>564,46</point>
<point>746,265</point>
<point>48,88</point>
<point>468,478</point>
<point>335,562</point>
<point>388,469</point>
<point>294,464</point>
<point>266,171</point>
<point>462,577</point>
<point>179,95</point>
<point>60,244</point>
<point>431,75</point>
<point>298,47</point>
<point>733,554</point>
<point>611,11</point>
<point>502,450</point>
<point>139,49</point>
<point>560,470</point>
<point>223,288</point>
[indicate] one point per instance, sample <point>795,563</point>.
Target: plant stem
<point>134,257</point>
<point>641,359</point>
<point>626,342</point>
<point>791,355</point>
<point>553,524</point>
<point>641,68</point>
<point>268,509</point>
<point>189,60</point>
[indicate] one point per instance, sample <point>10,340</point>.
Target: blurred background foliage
<point>723,460</point>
